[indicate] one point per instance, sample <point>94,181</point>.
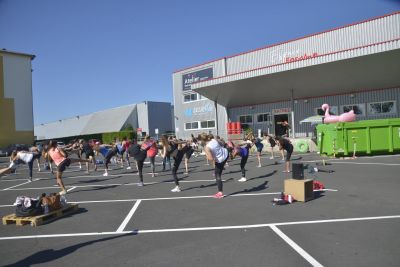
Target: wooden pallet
<point>40,219</point>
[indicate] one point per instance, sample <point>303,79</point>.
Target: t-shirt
<point>25,157</point>
<point>219,152</point>
<point>286,145</point>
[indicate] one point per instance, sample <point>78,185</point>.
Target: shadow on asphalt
<point>49,255</point>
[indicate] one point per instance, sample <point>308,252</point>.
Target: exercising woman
<point>243,151</point>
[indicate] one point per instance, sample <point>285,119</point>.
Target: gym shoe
<point>176,189</point>
<point>259,166</point>
<point>30,179</point>
<point>63,192</point>
<point>129,167</point>
<point>140,184</point>
<point>105,174</point>
<point>271,158</point>
<point>243,179</point>
<point>219,195</point>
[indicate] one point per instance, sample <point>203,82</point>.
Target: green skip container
<point>368,137</point>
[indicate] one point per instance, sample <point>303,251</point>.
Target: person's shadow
<point>48,255</point>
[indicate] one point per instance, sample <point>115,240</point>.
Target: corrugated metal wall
<point>358,35</point>
<point>304,108</point>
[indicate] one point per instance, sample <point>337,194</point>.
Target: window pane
<point>249,119</point>
<point>242,119</point>
<point>203,124</point>
<point>194,97</point>
<point>375,108</point>
<point>188,125</point>
<point>388,107</point>
<point>195,125</point>
<point>211,124</point>
<point>187,98</point>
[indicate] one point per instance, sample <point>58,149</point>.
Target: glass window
<point>191,125</point>
<point>190,98</point>
<point>263,117</point>
<point>387,107</point>
<point>207,124</point>
<point>246,119</point>
<point>359,109</point>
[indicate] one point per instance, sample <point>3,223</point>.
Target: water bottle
<point>63,201</point>
<point>46,209</point>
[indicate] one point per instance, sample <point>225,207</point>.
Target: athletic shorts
<point>189,153</point>
<point>63,165</point>
<point>89,154</point>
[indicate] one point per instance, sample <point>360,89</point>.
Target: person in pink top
<point>151,152</point>
<point>62,161</point>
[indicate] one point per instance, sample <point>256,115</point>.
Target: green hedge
<point>108,138</point>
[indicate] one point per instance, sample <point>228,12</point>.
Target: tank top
<point>56,156</point>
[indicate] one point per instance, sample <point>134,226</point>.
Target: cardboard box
<point>301,190</point>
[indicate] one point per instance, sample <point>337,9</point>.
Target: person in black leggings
<point>139,155</point>
<point>285,144</point>
<point>243,151</point>
<point>183,148</point>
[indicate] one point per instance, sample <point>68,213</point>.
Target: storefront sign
<point>281,110</point>
<point>305,56</point>
<point>194,77</point>
<point>189,112</point>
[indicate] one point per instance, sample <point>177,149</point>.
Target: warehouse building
<point>144,117</point>
<point>16,109</point>
<point>355,67</point>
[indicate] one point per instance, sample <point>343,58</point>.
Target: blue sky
<point>93,55</point>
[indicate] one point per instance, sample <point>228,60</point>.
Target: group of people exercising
<point>216,150</point>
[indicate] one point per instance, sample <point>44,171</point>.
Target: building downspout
<point>292,112</point>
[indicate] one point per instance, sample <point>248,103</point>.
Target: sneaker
<point>129,167</point>
<point>105,174</point>
<point>152,175</point>
<point>271,158</point>
<point>186,173</point>
<point>259,166</point>
<point>63,192</point>
<point>243,179</point>
<point>219,195</point>
<point>176,189</point>
<point>30,179</point>
<point>140,184</point>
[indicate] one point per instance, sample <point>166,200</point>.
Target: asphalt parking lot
<point>355,222</point>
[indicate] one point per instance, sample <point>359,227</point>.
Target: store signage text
<point>198,110</point>
<point>281,110</point>
<point>194,77</point>
<point>303,57</point>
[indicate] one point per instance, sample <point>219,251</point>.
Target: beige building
<point>16,107</point>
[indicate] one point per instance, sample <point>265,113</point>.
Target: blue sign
<point>194,77</point>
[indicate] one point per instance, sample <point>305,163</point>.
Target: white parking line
<point>171,230</point>
<point>128,217</point>
<point>10,188</point>
<point>296,247</point>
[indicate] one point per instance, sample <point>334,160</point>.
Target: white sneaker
<point>105,174</point>
<point>176,189</point>
<point>129,167</point>
<point>259,166</point>
<point>243,179</point>
<point>271,158</point>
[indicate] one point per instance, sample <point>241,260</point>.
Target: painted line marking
<point>296,247</point>
<point>128,217</point>
<point>171,230</point>
<point>368,163</point>
<point>72,188</point>
<point>16,186</point>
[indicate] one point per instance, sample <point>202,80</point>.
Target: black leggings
<point>242,164</point>
<point>140,169</point>
<point>219,167</point>
<point>177,162</point>
<point>30,163</point>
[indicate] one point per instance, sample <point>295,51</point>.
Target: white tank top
<point>25,156</point>
<point>219,152</point>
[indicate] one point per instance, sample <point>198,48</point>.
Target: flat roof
<point>3,50</point>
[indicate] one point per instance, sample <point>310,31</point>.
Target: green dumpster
<point>362,137</point>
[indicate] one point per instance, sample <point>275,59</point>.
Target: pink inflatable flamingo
<point>345,117</point>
